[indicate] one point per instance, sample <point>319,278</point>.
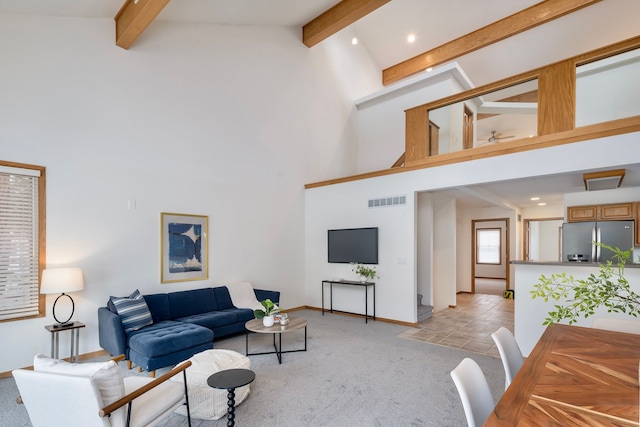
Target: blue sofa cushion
<point>133,311</point>
<point>223,298</point>
<point>188,303</point>
<point>166,337</point>
<point>158,306</point>
<point>211,320</point>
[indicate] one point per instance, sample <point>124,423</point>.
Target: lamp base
<point>62,325</point>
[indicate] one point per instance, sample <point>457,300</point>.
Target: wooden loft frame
<point>134,17</point>
<point>519,22</point>
<point>336,18</point>
<point>556,132</point>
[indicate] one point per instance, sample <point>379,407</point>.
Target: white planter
<point>268,321</point>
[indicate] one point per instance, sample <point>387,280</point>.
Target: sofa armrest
<point>111,333</point>
<point>263,294</point>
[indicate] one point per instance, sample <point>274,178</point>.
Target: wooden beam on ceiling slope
<point>134,17</point>
<point>524,20</point>
<point>338,17</point>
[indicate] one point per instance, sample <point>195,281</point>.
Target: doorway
<point>542,239</point>
<point>490,255</point>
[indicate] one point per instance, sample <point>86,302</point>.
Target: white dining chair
<point>629,326</point>
<point>474,392</point>
<point>510,353</point>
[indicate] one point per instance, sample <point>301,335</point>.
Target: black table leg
<point>231,403</point>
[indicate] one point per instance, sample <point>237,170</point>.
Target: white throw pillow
<point>106,375</point>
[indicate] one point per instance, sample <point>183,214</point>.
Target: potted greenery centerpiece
<point>270,308</point>
<point>364,272</point>
<point>582,296</point>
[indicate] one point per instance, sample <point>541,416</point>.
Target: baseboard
<point>378,319</point>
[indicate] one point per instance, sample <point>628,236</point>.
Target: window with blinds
<point>19,243</point>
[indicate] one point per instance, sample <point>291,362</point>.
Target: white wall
<point>444,252</point>
<point>228,122</point>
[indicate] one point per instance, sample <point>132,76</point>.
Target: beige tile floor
<point>468,326</point>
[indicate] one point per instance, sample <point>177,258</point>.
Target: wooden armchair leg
<point>152,374</point>
<point>129,364</point>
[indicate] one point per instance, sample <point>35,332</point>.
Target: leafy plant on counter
<point>269,308</point>
<point>583,296</point>
<point>364,271</point>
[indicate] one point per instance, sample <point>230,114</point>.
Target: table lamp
<point>60,281</point>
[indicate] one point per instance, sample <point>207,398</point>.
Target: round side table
<point>229,380</point>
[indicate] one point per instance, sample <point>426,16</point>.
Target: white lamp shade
<point>61,280</point>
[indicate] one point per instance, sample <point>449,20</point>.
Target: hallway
<point>468,326</point>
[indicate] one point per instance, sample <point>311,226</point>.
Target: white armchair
<point>57,393</point>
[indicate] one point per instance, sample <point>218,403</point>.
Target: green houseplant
<point>364,272</point>
<point>270,308</point>
<point>583,296</point>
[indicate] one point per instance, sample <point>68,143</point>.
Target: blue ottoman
<point>167,343</point>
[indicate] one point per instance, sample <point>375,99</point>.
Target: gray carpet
<point>353,374</point>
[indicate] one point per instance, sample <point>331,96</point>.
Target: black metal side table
<point>229,380</point>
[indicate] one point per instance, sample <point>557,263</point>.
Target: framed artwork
<point>184,249</point>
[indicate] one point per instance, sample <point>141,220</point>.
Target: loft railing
<point>600,87</point>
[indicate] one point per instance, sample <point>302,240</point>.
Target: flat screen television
<point>353,245</point>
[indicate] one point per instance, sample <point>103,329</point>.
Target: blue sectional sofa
<point>184,323</point>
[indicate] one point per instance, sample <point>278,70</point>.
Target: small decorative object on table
<point>364,272</point>
<point>284,319</point>
<point>270,309</point>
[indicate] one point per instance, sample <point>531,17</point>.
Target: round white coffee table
<point>295,323</point>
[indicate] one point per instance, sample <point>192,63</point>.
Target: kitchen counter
<point>569,264</point>
<point>529,314</point>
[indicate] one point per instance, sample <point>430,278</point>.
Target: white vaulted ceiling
<point>384,33</point>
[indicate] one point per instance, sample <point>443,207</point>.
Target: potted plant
<point>270,308</point>
<point>582,296</point>
<point>364,272</point>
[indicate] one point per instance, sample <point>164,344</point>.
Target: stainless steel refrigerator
<point>578,238</point>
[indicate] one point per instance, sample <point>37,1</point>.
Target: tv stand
<point>366,286</point>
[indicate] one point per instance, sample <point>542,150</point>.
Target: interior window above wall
<point>21,240</point>
<point>608,89</point>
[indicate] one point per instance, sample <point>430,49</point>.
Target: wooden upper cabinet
<point>637,224</point>
<point>616,211</point>
<point>610,212</point>
<point>582,213</point>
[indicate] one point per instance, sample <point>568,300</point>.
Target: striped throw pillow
<point>133,311</point>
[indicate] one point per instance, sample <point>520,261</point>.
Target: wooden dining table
<point>575,376</point>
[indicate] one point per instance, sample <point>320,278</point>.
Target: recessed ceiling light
<point>542,204</point>
<point>535,198</point>
<point>354,40</point>
<point>411,38</point>
<point>429,69</point>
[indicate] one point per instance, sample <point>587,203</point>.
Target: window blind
<point>19,292</point>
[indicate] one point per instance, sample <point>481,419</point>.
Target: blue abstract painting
<point>185,247</point>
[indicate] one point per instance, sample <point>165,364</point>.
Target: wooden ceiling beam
<point>134,17</point>
<point>335,19</point>
<point>524,20</point>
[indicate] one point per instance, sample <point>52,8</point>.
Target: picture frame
<point>184,248</point>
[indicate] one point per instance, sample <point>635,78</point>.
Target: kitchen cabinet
<point>609,212</point>
<point>637,224</point>
<point>616,211</point>
<point>582,213</point>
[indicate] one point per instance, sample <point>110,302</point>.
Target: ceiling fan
<point>496,137</point>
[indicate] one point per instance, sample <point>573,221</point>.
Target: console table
<point>365,285</point>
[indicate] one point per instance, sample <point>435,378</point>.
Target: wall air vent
<point>388,201</point>
<point>606,180</point>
